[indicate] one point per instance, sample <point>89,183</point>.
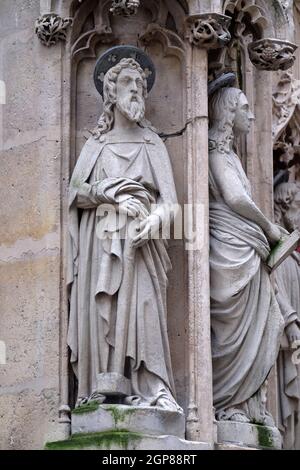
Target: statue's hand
<point>132,207</point>
<point>148,228</point>
<point>293,333</point>
<point>284,232</point>
<point>273,233</point>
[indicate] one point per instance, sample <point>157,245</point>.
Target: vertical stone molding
<point>208,30</point>
<point>51,28</point>
<point>200,407</point>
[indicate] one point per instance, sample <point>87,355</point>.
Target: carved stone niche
<point>208,30</point>
<point>51,28</point>
<point>272,54</point>
<point>156,27</point>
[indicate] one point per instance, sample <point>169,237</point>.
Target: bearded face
<point>132,107</point>
<point>130,101</point>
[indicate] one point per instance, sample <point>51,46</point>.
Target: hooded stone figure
<point>121,192</point>
<point>245,317</point>
<point>287,213</point>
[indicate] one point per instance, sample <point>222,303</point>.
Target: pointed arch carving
<point>248,18</point>
<point>172,44</point>
<point>267,18</point>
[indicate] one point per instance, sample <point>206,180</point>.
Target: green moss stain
<point>118,414</point>
<point>87,408</point>
<point>264,436</point>
<point>275,249</point>
<point>102,440</point>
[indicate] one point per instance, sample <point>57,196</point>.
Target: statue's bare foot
<point>96,396</point>
<point>240,418</point>
<point>233,414</point>
<point>81,401</point>
<point>268,420</point>
<point>134,400</point>
<point>168,403</point>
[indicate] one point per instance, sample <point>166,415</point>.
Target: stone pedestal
<point>244,435</point>
<point>126,441</point>
<point>150,420</point>
<point>119,427</point>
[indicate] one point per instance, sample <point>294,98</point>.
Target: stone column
<point>200,409</point>
<point>203,32</point>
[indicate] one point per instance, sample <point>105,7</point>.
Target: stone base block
<point>233,447</point>
<point>113,384</point>
<point>125,441</point>
<point>243,435</point>
<point>151,420</point>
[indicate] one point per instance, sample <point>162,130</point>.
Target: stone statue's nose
<point>134,87</point>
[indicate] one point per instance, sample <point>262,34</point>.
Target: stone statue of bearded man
<point>118,277</point>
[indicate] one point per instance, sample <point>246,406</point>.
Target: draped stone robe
<point>246,320</point>
<point>138,167</point>
<point>288,296</point>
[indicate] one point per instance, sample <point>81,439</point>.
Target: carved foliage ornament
<point>125,7</point>
<point>272,54</point>
<point>208,30</point>
<point>51,28</point>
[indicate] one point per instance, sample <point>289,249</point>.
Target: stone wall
<point>30,230</point>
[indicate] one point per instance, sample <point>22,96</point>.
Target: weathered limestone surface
<point>30,231</point>
<point>155,421</point>
<point>241,290</point>
<point>249,435</point>
<point>126,441</point>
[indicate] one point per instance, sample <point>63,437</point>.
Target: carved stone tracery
<point>91,26</point>
<point>248,18</point>
<point>208,30</point>
<point>256,29</point>
<point>171,42</point>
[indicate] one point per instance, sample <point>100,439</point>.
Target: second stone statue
<point>246,320</point>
